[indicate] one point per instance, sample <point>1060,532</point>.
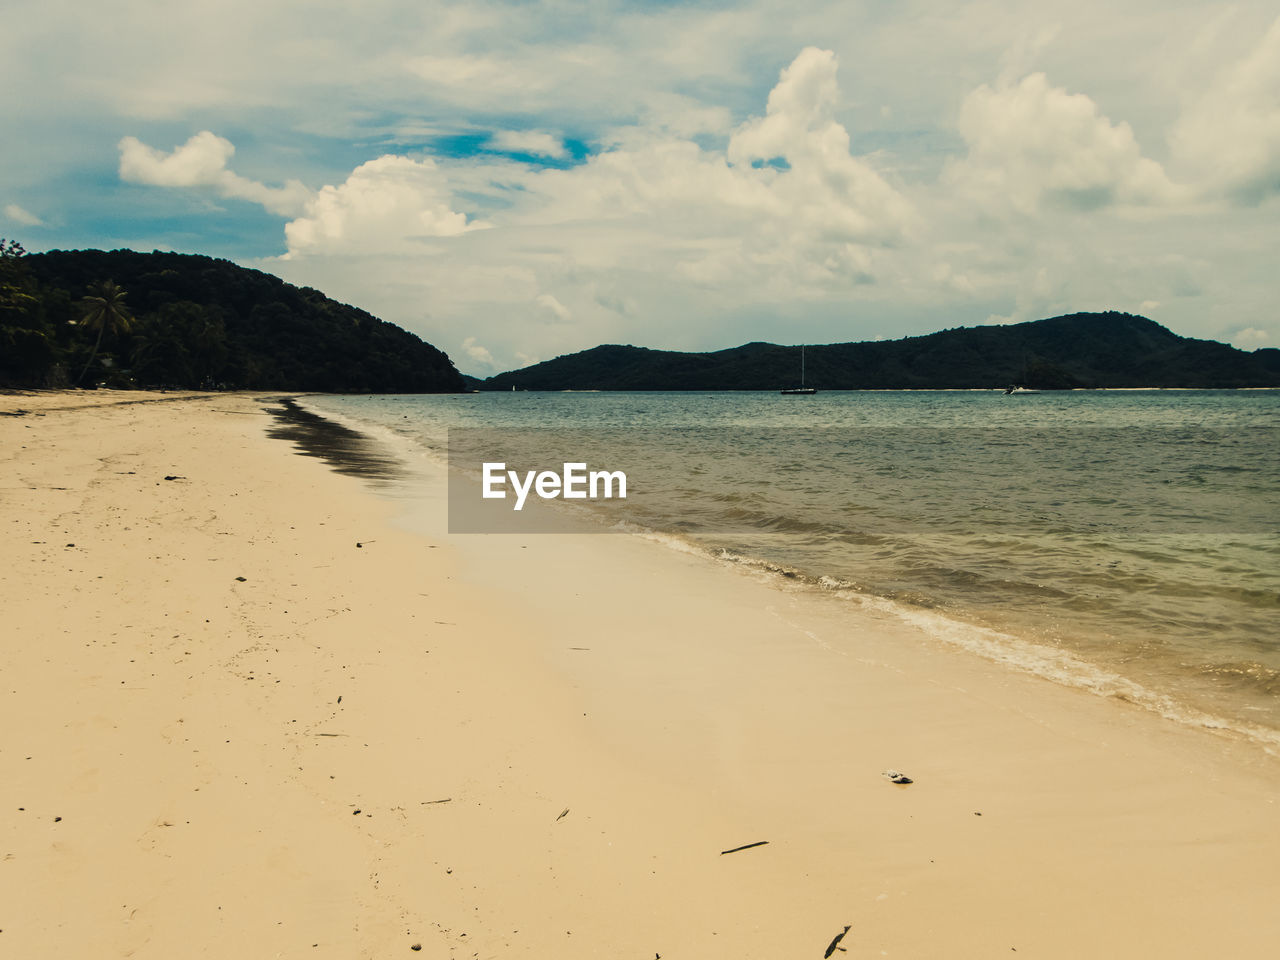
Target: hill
<point>1080,350</point>
<point>199,322</point>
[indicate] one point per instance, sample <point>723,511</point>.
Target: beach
<point>251,711</point>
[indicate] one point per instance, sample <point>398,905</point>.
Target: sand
<point>251,711</point>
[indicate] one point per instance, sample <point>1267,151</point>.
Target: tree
<point>181,345</point>
<point>103,309</point>
<point>15,293</point>
<point>26,348</point>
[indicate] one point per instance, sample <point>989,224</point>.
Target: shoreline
<point>998,644</point>
<point>213,791</point>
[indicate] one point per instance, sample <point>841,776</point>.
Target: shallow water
<point>1123,541</point>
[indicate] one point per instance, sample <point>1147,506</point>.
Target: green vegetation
<point>104,310</point>
<point>1080,350</point>
<point>197,323</point>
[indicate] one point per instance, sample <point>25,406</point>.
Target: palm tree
<point>104,308</point>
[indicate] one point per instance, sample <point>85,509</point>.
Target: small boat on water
<point>1011,389</point>
<point>802,390</point>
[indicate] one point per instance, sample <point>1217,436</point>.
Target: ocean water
<point>1126,542</point>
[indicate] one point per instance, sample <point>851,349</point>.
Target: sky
<point>515,181</point>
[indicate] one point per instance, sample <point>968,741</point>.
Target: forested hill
<point>1080,350</point>
<point>197,322</point>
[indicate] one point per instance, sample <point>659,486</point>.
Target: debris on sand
<point>831,947</point>
<point>745,846</point>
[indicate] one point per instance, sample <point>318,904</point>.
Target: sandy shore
<point>250,712</point>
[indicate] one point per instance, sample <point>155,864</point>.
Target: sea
<point>1123,542</point>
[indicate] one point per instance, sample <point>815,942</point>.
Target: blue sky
<point>513,181</point>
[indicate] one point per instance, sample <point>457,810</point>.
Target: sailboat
<point>802,390</point>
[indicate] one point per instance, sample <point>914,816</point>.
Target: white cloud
<point>386,205</point>
<point>552,310</point>
<point>468,71</point>
<point>1030,143</point>
<point>832,193</point>
<point>1250,338</point>
<point>599,62</point>
<point>707,217</point>
<point>519,79</point>
<point>803,100</point>
<point>202,162</point>
<point>786,213</point>
<point>477,353</point>
<point>683,117</point>
<point>532,142</point>
<point>1230,135</point>
<point>24,217</point>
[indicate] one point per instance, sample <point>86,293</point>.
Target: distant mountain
<point>200,322</point>
<point>1081,350</point>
